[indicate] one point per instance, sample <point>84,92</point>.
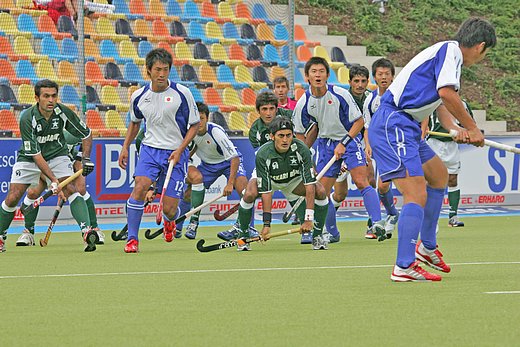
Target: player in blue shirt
<point>432,77</point>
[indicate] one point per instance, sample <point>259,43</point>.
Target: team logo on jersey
<point>39,128</point>
<point>168,99</point>
<point>329,102</point>
<point>18,173</point>
<point>147,100</point>
<point>294,147</point>
<point>55,123</point>
<point>293,160</point>
<point>275,166</point>
<point>313,106</point>
<point>27,145</point>
<point>57,110</point>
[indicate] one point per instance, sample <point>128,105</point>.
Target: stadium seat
<point>144,48</point>
<point>191,13</point>
<point>248,96</point>
<point>132,73</point>
<point>337,55</point>
<point>195,30</point>
<point>218,52</point>
<point>237,122</point>
<point>236,52</point>
<point>255,54</point>
<point>90,31</point>
<point>333,79</point>
<point>8,26</point>
<point>138,7</point>
<point>127,50</point>
<point>209,11</point>
<point>67,72</point>
<point>26,94</point>
<point>320,51</point>
<point>300,35</point>
<point>109,95</point>
<point>218,118</point>
<point>44,69</point>
<point>25,70</point>
<point>92,98</point>
<point>230,32</point>
<point>92,53</point>
<point>22,46</point>
<point>97,125</point>
<point>156,9</point>
<point>121,6</point>
<point>298,79</point>
<point>7,95</point>
<point>115,121</point>
<point>197,96</point>
<point>230,97</point>
<point>65,25</point>
<point>207,74</point>
<point>46,25</point>
<point>280,33</point>
<point>251,118</point>
<point>26,24</point>
<point>93,75</point>
<point>69,97</point>
<point>259,12</point>
<point>112,72</point>
<point>224,74</point>
<point>213,31</point>
<point>176,61</point>
<point>200,51</point>
<point>7,71</point>
<point>173,8</point>
<point>105,28</point>
<point>343,75</point>
<point>242,11</point>
<point>123,28</point>
<point>277,71</point>
<point>271,54</point>
<point>265,33</point>
<point>247,32</point>
<point>50,49</point>
<point>7,52</point>
<point>212,97</point>
<point>161,33</point>
<point>188,74</point>
<point>69,48</point>
<point>8,121</point>
<point>303,54</point>
<point>298,92</point>
<point>242,74</point>
<point>225,11</point>
<point>174,75</point>
<point>182,51</point>
<point>108,49</point>
<point>260,75</point>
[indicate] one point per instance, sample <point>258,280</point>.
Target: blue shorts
<point>153,163</point>
<point>354,155</point>
<point>397,147</point>
<point>210,172</point>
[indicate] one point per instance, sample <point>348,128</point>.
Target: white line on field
<point>510,292</point>
<point>339,267</point>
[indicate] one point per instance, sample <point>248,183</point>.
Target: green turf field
<point>280,294</point>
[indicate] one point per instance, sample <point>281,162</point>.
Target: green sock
<point>91,212</point>
<point>5,219</point>
<point>197,198</point>
<point>30,218</point>
<point>79,211</point>
<point>453,198</point>
<point>320,215</point>
<point>244,218</point>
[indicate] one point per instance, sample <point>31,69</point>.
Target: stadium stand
<point>9,122</point>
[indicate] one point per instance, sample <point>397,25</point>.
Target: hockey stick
<point>287,215</point>
<point>233,243</point>
<point>221,217</point>
<point>487,142</point>
<point>123,234</point>
<point>150,236</point>
<point>45,240</point>
<point>49,193</point>
<point>158,216</point>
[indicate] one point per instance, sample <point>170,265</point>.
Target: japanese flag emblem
<point>168,99</point>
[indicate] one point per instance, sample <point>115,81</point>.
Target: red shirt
<point>290,105</point>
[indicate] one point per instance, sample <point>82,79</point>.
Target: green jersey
<point>435,125</point>
<point>260,133</point>
<point>45,137</point>
<point>360,100</point>
<point>139,139</point>
<point>72,143</point>
<point>279,168</point>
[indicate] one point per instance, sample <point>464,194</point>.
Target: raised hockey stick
<point>158,216</point>
<point>233,243</point>
<point>152,235</point>
<point>287,215</point>
<point>45,240</point>
<point>49,193</point>
<point>123,234</point>
<point>487,142</point>
<point>221,217</point>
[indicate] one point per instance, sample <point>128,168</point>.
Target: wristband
<point>266,217</point>
<point>346,139</point>
<point>54,187</point>
<point>309,215</point>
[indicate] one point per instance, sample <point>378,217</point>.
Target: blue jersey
<point>370,106</point>
<point>415,89</point>
<point>334,113</point>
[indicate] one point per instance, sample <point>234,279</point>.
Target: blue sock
<point>252,223</point>
<point>184,207</point>
<point>330,222</point>
<point>432,210</point>
<point>371,202</point>
<point>409,224</point>
<point>134,211</point>
<point>388,202</point>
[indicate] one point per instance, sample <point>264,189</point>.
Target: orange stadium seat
<point>93,75</point>
<point>7,71</point>
<point>8,121</point>
<point>207,74</point>
<point>242,11</point>
<point>218,52</point>
<point>300,35</point>
<point>161,32</point>
<point>303,54</point>
<point>298,92</point>
<point>248,97</point>
<point>92,52</point>
<point>46,25</point>
<point>237,53</point>
<point>97,125</point>
<point>230,97</point>
<point>212,97</point>
<point>67,72</point>
<point>209,11</point>
<point>265,33</point>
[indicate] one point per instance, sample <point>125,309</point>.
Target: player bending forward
<point>285,164</point>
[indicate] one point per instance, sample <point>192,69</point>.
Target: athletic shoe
<point>178,234</point>
<point>253,232</point>
<point>455,222</point>
<point>370,235</point>
<point>90,238</point>
<point>334,238</point>
<point>26,239</point>
<point>378,229</point>
<point>390,223</point>
<point>230,234</point>
<point>2,243</point>
<point>132,246</point>
<point>168,228</point>
<point>101,236</point>
<point>306,238</point>
<point>319,242</point>
<point>191,230</point>
<point>242,245</point>
<point>431,258</point>
<point>414,273</point>
<point>296,220</point>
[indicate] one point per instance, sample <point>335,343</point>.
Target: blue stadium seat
<point>192,13</point>
<point>69,48</point>
<point>280,33</point>
<point>174,75</point>
<point>107,49</point>
<point>121,6</point>
<point>271,54</point>
<point>333,79</point>
<point>224,74</point>
<point>173,8</point>
<point>143,48</point>
<point>133,73</point>
<point>298,78</point>
<point>230,31</point>
<point>24,69</point>
<point>50,49</point>
<point>255,54</point>
<point>69,95</point>
<point>259,12</point>
<point>196,94</point>
<point>196,30</point>
<point>26,23</point>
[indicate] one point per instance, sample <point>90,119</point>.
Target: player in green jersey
<point>44,151</point>
<point>285,164</point>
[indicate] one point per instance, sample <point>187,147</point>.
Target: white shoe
<point>101,236</point>
<point>26,239</point>
<point>390,223</point>
<point>319,242</point>
<point>2,243</point>
<point>242,245</point>
<point>413,273</point>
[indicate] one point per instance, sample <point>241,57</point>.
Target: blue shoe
<point>306,238</point>
<point>191,230</point>
<point>334,238</point>
<point>253,232</point>
<point>230,234</point>
<point>178,234</point>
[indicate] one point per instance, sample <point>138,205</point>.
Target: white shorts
<point>288,188</point>
<point>449,153</point>
<point>29,173</point>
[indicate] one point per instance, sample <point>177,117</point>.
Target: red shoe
<point>414,273</point>
<point>132,246</point>
<point>169,229</point>
<point>431,258</point>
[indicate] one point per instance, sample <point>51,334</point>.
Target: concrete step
<point>479,116</point>
<point>496,126</point>
<point>301,20</point>
<point>315,31</point>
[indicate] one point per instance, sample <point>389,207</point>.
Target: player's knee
<point>452,180</point>
<point>195,177</point>
<point>383,187</point>
<point>320,192</point>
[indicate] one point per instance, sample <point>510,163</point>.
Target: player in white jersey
<point>172,121</point>
<point>432,77</point>
<point>383,71</point>
<point>335,113</point>
<point>218,157</point>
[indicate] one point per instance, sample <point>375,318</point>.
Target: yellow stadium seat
<point>230,97</point>
<point>225,11</point>
<point>251,118</point>
<point>242,74</point>
<point>127,50</point>
<point>277,71</point>
<point>44,69</point>
<point>113,120</point>
<point>320,51</point>
<point>343,75</point>
<point>182,51</point>
<point>218,52</point>
<point>264,32</point>
<point>105,28</point>
<point>110,96</point>
<point>67,72</point>
<point>22,46</point>
<point>237,122</point>
<point>13,11</point>
<point>213,30</point>
<point>92,50</point>
<point>26,94</point>
<point>207,74</point>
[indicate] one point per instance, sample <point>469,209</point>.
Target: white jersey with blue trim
<point>214,146</point>
<point>370,106</point>
<point>335,112</point>
<point>415,89</point>
<point>168,114</point>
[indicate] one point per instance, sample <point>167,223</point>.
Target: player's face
<point>383,77</point>
<point>202,125</point>
<point>317,76</point>
<point>267,113</point>
<point>282,140</point>
<point>358,85</point>
<point>47,100</point>
<point>475,54</point>
<point>159,76</point>
<point>281,90</point>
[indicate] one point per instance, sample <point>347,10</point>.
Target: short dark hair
<point>358,70</point>
<point>281,79</point>
<point>316,61</point>
<point>384,63</point>
<point>474,31</point>
<point>158,54</point>
<point>280,123</point>
<point>203,108</point>
<point>266,98</point>
<point>44,84</point>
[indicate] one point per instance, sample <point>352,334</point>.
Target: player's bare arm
<point>133,129</point>
<point>228,189</point>
<point>310,193</point>
<point>354,130</point>
<point>267,203</point>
